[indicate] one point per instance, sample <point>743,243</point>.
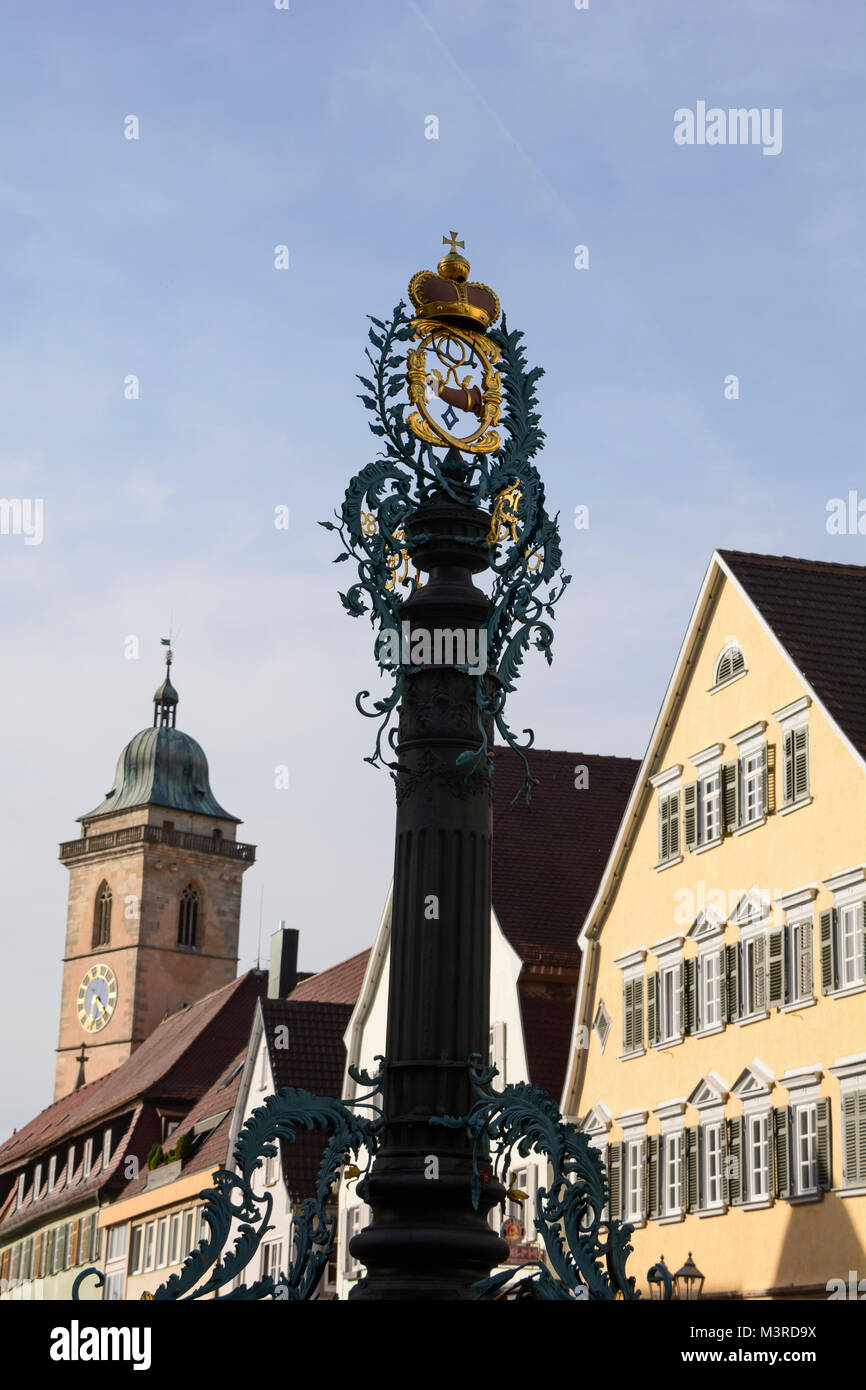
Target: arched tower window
<point>187,917</point>
<point>102,915</point>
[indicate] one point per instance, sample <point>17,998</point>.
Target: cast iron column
<point>425,1240</point>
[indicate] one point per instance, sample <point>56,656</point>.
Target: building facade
<point>718,1055</point>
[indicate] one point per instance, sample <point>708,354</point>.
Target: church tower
<point>154,899</point>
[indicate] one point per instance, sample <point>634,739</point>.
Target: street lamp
<point>659,1280</point>
<point>688,1281</point>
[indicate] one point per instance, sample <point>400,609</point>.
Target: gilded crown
<point>447,295</point>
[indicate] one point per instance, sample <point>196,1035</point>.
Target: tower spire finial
<point>166,697</point>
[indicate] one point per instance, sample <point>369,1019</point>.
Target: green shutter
<point>689,995</point>
<point>801,763</point>
<point>691,1165</point>
<point>854,1138</point>
<point>653,1175</point>
<point>781,1126</point>
<point>823,1132</point>
<point>674,813</point>
<point>723,1158</point>
<point>732,981</point>
<point>627,1015</point>
<point>759,968</point>
<point>828,953</point>
<point>643,1171</point>
<point>788,755</point>
<point>652,1016</point>
<point>735,1167</point>
<point>776,969</point>
<point>690,815</point>
<point>664,828</point>
<point>804,961</point>
<point>637,1014</point>
<point>730,773</point>
<point>614,1181</point>
<point>769,777</point>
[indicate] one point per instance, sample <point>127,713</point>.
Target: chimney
<point>283,974</point>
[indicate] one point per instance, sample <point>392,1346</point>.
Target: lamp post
<point>435,1134</point>
<point>659,1280</point>
<point>688,1280</point>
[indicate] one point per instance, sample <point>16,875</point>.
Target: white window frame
<point>708,766</point>
<point>753,915</point>
<point>70,1164</point>
<point>52,1173</point>
<point>116,1244</point>
<point>149,1247</point>
<point>669,1001</point>
<point>709,1098</point>
<point>596,1127</point>
<point>731,645</point>
<point>712,1163</point>
<point>106,1149</point>
<point>115,1286</point>
<point>672,1146</point>
<point>87,1160</point>
<point>851,927</point>
<point>750,744</point>
<point>803,1090</point>
<point>174,1255</point>
<point>187,1244</point>
<point>634,1160</point>
<point>849,891</point>
<point>161,1257</point>
<point>757,1137</point>
<point>272,1259</point>
<point>357,1217</point>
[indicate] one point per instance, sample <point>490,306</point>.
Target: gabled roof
<point>817,610</point>
<point>548,857</point>
<point>315,1061</point>
<point>796,601</point>
<point>339,984</point>
<point>177,1061</point>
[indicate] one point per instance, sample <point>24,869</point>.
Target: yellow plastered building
<point>723,978</point>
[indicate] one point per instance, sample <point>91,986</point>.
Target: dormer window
<point>731,663</point>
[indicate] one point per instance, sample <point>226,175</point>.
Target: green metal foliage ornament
<point>233,1204</point>
<point>583,1264</point>
<point>524,552</point>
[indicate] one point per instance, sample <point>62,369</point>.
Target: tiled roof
<point>548,857</point>
<point>547,1022</point>
<point>341,984</point>
<point>177,1062</point>
<point>314,1060</point>
<point>817,610</point>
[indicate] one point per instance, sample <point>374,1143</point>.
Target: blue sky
<point>155,257</point>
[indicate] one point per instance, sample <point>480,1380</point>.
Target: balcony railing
<point>157,835</point>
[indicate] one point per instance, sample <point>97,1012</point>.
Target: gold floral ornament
<point>504,518</point>
<point>453,316</point>
<point>369,526</point>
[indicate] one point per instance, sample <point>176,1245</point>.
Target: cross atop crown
<point>452,242</point>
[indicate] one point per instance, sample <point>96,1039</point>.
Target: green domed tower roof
<point>162,766</point>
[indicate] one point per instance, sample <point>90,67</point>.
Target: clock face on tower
<point>97,998</point>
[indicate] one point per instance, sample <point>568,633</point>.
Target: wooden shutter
<point>854,1138</point>
<point>788,759</point>
<point>689,1002</point>
<point>736,1186</point>
<point>823,1144</point>
<point>690,815</point>
<point>759,968</point>
<point>723,1159</point>
<point>769,778</point>
<point>674,821</point>
<point>664,828</point>
<point>691,1165</point>
<point>652,1013</point>
<point>828,951</point>
<point>730,777</point>
<point>801,763</point>
<point>642,1179</point>
<point>654,1150</point>
<point>74,1235</point>
<point>732,981</point>
<point>614,1182</point>
<point>628,1016</point>
<point>4,1264</point>
<point>37,1255</point>
<point>776,969</point>
<point>781,1127</point>
<point>804,960</point>
<point>637,1013</point>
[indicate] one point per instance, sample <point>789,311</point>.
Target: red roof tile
<point>817,610</point>
<point>548,857</point>
<point>340,984</point>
